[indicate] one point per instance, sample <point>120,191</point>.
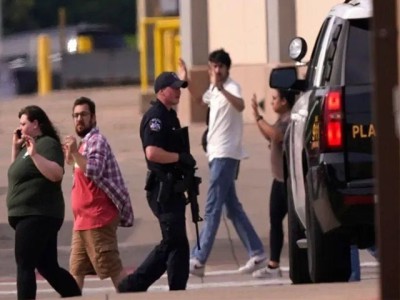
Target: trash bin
<point>7,82</point>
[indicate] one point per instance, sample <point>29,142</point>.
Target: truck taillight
<point>358,199</point>
<point>334,101</point>
<point>334,134</point>
<point>333,120</point>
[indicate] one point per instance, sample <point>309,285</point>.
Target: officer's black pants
<point>36,248</point>
<point>171,255</point>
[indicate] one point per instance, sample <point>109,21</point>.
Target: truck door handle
<point>303,112</point>
<point>295,117</point>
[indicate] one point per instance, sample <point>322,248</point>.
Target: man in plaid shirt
<point>100,199</point>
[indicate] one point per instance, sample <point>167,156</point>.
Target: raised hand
<point>70,145</point>
<point>215,79</point>
<point>30,145</point>
<point>254,106</point>
<point>17,139</point>
<point>67,154</point>
<point>182,70</point>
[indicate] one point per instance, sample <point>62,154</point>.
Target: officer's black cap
<point>166,79</point>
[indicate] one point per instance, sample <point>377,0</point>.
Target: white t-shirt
<point>225,127</point>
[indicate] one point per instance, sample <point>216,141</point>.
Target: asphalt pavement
<point>118,116</point>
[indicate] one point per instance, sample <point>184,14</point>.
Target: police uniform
<point>158,128</point>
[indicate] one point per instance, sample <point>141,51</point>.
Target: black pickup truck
<point>328,146</point>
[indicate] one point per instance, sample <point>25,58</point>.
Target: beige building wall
<point>239,26</point>
<point>310,14</point>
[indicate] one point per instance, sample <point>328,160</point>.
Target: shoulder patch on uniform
<point>155,124</point>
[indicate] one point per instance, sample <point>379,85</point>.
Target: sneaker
<point>268,273</point>
<point>196,268</point>
<point>253,264</point>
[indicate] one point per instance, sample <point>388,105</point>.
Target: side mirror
<point>286,79</point>
<point>283,78</point>
<point>297,49</point>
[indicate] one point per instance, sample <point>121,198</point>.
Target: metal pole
<point>61,28</point>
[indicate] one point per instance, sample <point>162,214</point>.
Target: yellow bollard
<point>177,51</point>
<point>158,50</point>
<point>160,24</point>
<point>84,44</point>
<point>169,49</point>
<point>143,57</point>
<point>61,28</point>
<point>43,65</point>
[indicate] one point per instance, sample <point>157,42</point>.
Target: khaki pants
<point>95,251</point>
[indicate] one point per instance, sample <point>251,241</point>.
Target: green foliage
<point>32,14</point>
<point>121,13</point>
<point>16,15</point>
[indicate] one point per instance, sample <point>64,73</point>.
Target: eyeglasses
<point>82,114</point>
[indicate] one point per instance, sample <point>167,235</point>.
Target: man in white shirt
<point>224,151</point>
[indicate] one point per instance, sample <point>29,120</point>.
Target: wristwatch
<point>259,117</point>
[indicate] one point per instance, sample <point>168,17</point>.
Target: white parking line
<point>95,278</point>
<point>190,286</point>
<point>370,264</point>
<point>90,290</point>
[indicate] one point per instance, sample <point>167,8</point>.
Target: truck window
<point>331,50</point>
<point>358,53</point>
<point>315,54</point>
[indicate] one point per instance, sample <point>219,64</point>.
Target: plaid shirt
<point>102,168</point>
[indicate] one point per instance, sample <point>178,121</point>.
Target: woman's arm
<point>49,169</point>
<point>17,142</point>
<point>267,130</point>
<point>14,152</point>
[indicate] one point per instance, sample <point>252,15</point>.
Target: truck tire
<point>298,261</point>
<point>329,253</point>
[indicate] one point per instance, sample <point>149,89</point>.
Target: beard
<point>82,132</point>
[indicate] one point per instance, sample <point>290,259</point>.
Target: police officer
<point>165,158</point>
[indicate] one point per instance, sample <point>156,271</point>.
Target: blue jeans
<point>355,261</point>
<point>222,192</point>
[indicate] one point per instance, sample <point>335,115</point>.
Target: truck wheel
<point>328,254</point>
<point>298,261</point>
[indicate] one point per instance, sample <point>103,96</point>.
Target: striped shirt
<point>102,168</point>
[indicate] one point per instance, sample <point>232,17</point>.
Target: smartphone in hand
<point>19,133</point>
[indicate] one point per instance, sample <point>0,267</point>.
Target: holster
<point>167,185</point>
<point>151,180</point>
<point>166,188</point>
